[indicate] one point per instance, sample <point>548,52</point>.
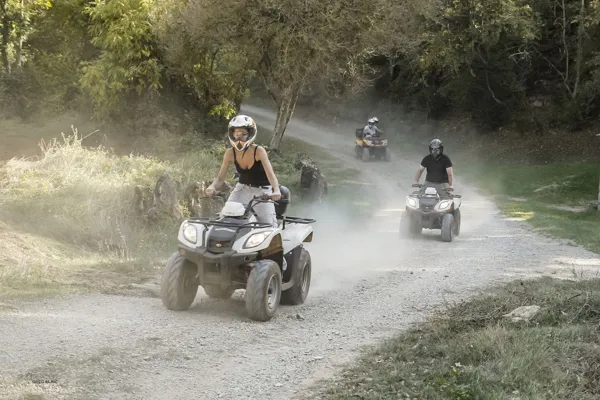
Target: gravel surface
<point>366,285</point>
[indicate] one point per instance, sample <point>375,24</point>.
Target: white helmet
<point>373,120</point>
<point>242,121</point>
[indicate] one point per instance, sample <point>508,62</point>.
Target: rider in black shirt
<point>439,168</point>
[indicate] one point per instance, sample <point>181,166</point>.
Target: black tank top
<point>253,176</point>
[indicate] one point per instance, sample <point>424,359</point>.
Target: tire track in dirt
<point>366,285</point>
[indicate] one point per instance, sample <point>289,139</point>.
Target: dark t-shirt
<point>436,170</point>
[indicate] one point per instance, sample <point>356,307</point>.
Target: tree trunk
<point>598,204</point>
<point>6,23</point>
<point>580,37</point>
<point>285,109</point>
<point>20,39</point>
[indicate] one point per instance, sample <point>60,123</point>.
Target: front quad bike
<point>235,251</point>
<point>431,211</point>
<point>375,146</point>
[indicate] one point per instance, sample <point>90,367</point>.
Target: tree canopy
<point>493,60</point>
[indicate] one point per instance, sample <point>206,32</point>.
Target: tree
<point>292,44</point>
<point>470,49</point>
<point>15,25</point>
<point>122,30</point>
<point>207,66</point>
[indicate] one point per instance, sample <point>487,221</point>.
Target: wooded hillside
<point>532,64</point>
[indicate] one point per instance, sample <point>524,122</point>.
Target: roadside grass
<point>69,222</point>
<point>69,218</point>
<point>470,351</point>
<point>553,198</point>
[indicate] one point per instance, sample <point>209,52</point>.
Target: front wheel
<point>366,155</point>
<point>263,290</point>
<point>358,151</point>
<point>410,225</point>
<point>179,285</point>
<point>405,224</point>
<point>447,227</point>
<point>302,276</point>
<point>456,222</point>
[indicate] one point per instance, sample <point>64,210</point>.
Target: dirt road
<point>366,285</point>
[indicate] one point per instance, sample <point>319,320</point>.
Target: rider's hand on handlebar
<point>209,191</point>
<point>276,196</point>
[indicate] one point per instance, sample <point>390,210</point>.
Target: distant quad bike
<point>235,251</point>
<point>431,211</point>
<point>375,146</point>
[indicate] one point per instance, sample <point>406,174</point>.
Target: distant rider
<point>440,174</point>
<point>256,176</point>
<point>371,128</point>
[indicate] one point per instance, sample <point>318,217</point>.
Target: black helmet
<point>436,148</point>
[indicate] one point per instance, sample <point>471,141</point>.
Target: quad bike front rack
<point>416,193</point>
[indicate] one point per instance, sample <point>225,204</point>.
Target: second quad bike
<point>368,147</point>
<point>429,210</point>
<point>235,251</point>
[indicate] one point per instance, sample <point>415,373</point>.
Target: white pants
<point>265,212</point>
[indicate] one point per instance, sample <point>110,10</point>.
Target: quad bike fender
<point>457,202</point>
<point>248,242</point>
<point>294,235</point>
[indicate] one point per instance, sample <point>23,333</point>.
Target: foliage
<point>128,61</point>
<point>490,58</point>
<point>531,63</point>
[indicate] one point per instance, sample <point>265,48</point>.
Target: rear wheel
<point>447,227</point>
<point>302,277</point>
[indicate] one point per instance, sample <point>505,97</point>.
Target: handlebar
<point>266,197</point>
<point>418,185</point>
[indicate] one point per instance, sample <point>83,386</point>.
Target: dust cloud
<point>345,249</point>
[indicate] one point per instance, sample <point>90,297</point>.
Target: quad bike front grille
<point>218,246</point>
<point>427,204</point>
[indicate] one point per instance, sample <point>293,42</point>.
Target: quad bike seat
<point>282,204</point>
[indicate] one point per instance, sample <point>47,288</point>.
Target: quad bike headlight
<point>190,233</point>
<point>444,204</point>
<point>412,202</point>
<point>256,239</point>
